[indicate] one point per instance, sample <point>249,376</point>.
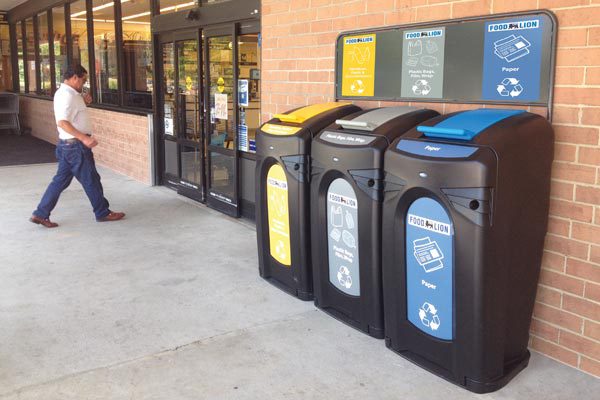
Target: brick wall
<point>298,69</point>
<point>123,138</point>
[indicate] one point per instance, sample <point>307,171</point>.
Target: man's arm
<point>88,141</point>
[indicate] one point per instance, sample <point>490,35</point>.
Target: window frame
<point>118,26</point>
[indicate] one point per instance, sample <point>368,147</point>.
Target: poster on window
<point>220,106</point>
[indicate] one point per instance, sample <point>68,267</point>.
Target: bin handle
<point>345,123</point>
<point>447,133</point>
<point>289,118</point>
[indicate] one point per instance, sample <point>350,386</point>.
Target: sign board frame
<point>389,76</point>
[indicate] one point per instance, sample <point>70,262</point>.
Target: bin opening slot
<point>468,124</point>
<point>352,124</point>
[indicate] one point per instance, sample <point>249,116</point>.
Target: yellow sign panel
<point>280,130</point>
<point>220,84</point>
<point>358,68</point>
<point>278,214</point>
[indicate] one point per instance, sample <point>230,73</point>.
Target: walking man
<point>74,151</point>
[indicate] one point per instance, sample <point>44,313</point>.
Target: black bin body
<point>282,194</point>
<point>464,222</point>
<point>346,198</point>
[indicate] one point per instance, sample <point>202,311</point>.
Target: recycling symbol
<point>428,316</point>
<point>509,87</point>
<point>421,87</point>
<point>357,86</point>
<point>344,277</point>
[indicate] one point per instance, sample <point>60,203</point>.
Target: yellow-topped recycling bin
<point>282,194</point>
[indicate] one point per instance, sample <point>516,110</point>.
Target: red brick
<point>562,282</point>
<point>581,307</point>
<point>592,292</point>
<point>559,226</point>
<point>586,232</point>
<point>565,152</point>
<point>400,17</point>
<point>584,270</point>
<point>353,8</point>
<point>587,194</point>
<point>321,26</point>
<point>544,330</point>
<point>328,12</point>
<point>471,8</point>
<point>296,5</point>
<point>577,95</point>
<point>572,37</point>
<point>567,209</point>
<point>569,76</point>
<point>558,317</point>
<point>380,5</point>
<point>553,261</point>
<point>548,296</point>
<point>572,172</point>
<point>595,254</point>
<point>590,366</point>
<point>371,20</point>
<point>567,247</point>
<point>579,344</point>
<point>585,56</point>
<point>589,155</point>
<point>561,190</point>
<point>554,351</point>
<point>434,13</point>
<point>343,24</point>
<point>274,8</point>
<point>594,37</point>
<point>514,5</point>
<point>575,134</point>
<point>592,76</point>
<point>561,3</point>
<point>583,16</point>
<point>591,329</point>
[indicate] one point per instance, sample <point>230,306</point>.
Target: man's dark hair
<point>72,70</point>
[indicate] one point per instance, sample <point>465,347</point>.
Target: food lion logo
<point>429,224</point>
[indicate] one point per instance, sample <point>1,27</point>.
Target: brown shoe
<point>41,221</point>
<point>112,216</point>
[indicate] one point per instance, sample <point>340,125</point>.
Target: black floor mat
<point>26,149</point>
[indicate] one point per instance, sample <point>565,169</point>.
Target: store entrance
<point>208,111</point>
<point>181,106</point>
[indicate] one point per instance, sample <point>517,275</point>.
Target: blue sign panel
<point>429,268</point>
<point>432,149</point>
<point>512,57</point>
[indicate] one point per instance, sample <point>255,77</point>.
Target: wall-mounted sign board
<point>499,59</point>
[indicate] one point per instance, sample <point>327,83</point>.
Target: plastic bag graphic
<point>337,217</point>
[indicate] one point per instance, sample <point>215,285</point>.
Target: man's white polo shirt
<point>70,106</point>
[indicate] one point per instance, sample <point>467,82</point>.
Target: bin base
<point>511,370</point>
<point>300,294</point>
<point>377,333</point>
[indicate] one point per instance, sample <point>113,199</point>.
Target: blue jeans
<point>74,160</point>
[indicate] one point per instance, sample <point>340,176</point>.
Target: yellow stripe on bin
<point>279,215</point>
<point>280,130</point>
<point>302,114</point>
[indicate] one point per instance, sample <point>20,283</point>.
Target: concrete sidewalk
<point>168,304</point>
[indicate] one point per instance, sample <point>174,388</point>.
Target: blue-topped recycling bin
<point>465,214</point>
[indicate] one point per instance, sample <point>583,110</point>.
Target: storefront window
<point>44,54</point>
<point>248,92</point>
<point>81,54</point>
<point>169,6</point>
<point>30,61</point>
<point>5,61</point>
<point>20,57</point>
<point>137,53</point>
<point>105,51</point>
<point>59,39</point>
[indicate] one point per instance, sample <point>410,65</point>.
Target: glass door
<point>182,128</point>
<point>222,143</point>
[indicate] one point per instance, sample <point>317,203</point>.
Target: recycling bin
<point>282,194</point>
<point>464,218</point>
<point>346,196</point>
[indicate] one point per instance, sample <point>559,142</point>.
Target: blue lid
<point>466,125</point>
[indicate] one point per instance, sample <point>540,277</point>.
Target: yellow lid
<point>302,114</point>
